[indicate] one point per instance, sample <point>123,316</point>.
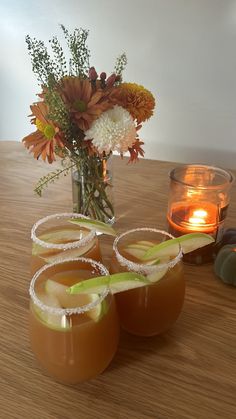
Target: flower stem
<point>91,189</point>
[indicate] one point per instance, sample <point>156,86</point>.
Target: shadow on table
<point>132,349</point>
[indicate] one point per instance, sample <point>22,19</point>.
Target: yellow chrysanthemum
<point>137,100</point>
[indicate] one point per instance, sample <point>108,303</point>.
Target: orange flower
<point>137,100</point>
<point>85,103</point>
<point>43,141</point>
<point>135,151</point>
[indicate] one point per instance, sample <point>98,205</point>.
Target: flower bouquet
<point>82,118</point>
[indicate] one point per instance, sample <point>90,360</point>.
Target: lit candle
<point>198,202</point>
<point>199,217</point>
<point>194,218</point>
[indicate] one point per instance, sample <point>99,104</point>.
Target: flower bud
<point>92,74</point>
<point>111,80</point>
<point>103,76</point>
<point>118,77</point>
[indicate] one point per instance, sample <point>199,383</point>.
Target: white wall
<point>184,51</point>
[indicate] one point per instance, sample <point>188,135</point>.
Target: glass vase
<point>92,189</point>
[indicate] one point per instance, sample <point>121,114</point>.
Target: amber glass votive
<point>199,197</point>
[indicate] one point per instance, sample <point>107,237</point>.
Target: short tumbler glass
<point>74,337</point>
<point>54,237</point>
<point>152,309</point>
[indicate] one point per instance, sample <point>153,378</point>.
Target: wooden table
<point>190,372</point>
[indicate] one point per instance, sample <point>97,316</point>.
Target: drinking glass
<point>55,238</point>
<point>152,309</point>
<point>74,337</point>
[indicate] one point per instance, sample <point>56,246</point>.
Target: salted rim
<point>140,267</point>
<point>74,310</point>
<point>66,246</point>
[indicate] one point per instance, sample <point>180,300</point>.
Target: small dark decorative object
<point>225,264</point>
<point>229,236</point>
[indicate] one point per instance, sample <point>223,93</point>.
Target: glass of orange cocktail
<point>74,337</point>
<point>55,238</point>
<point>154,308</point>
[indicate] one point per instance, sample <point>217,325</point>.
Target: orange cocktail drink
<point>154,308</point>
<point>74,338</point>
<point>54,239</point>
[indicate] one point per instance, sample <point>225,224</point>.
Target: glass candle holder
<point>198,202</point>
<point>74,337</point>
<point>54,238</point>
<point>152,309</point>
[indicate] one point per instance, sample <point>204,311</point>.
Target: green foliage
<point>50,71</point>
<point>51,177</point>
<point>58,111</point>
<point>120,65</point>
<point>79,63</point>
<point>42,63</point>
<point>59,57</point>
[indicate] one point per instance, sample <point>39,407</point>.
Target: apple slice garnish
<point>54,321</point>
<point>187,242</point>
<point>117,283</point>
<point>138,249</point>
<point>58,237</point>
<point>96,225</point>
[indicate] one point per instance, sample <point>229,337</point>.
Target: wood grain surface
<point>190,372</point>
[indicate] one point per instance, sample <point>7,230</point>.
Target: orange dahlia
<point>85,103</point>
<point>43,141</point>
<point>137,100</point>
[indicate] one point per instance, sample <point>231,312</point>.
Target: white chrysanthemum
<point>114,130</point>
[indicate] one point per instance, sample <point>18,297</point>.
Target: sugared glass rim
<point>74,310</point>
<point>140,267</point>
<point>79,243</point>
<point>228,176</point>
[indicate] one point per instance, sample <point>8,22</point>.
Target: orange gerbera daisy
<point>43,141</point>
<point>85,103</point>
<point>137,100</point>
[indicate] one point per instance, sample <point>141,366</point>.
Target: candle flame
<point>200,213</point>
<point>195,220</point>
<point>198,217</point>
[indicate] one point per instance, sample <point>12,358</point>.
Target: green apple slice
<point>140,245</point>
<point>65,254</point>
<point>188,242</point>
<point>54,321</point>
<point>58,237</point>
<point>135,251</point>
<point>156,276</point>
<point>55,289</point>
<point>117,283</point>
<point>138,249</point>
<point>145,243</point>
<point>99,310</point>
<point>96,225</point>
